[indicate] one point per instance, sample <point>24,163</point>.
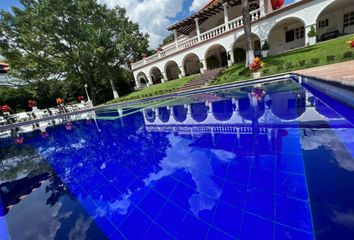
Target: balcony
<point>203,37</point>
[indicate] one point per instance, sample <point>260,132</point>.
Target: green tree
<point>79,41</point>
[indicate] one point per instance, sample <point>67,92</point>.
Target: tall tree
<point>77,40</point>
<point>248,32</point>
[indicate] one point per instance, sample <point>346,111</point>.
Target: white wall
<point>307,12</point>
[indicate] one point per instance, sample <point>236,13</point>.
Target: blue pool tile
<point>262,180</point>
<point>293,213</point>
<point>285,233</point>
<point>171,218</point>
<point>255,228</point>
<point>165,186</point>
<point>291,185</point>
<point>291,163</point>
<point>152,204</point>
<point>239,173</point>
<point>233,194</point>
<point>228,219</point>
<point>261,203</point>
<point>135,225</point>
<point>105,225</point>
<point>192,228</point>
<point>92,183</point>
<point>117,235</point>
<point>267,162</point>
<point>214,234</point>
<point>155,233</point>
<point>182,196</point>
<point>219,167</point>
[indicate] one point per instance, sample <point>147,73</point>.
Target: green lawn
<point>155,90</point>
<point>328,52</point>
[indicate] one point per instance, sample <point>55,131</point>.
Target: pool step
<point>202,80</point>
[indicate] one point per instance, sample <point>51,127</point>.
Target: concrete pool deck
<point>342,73</point>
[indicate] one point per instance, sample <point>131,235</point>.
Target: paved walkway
<point>339,72</point>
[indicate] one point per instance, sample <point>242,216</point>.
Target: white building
<point>213,36</point>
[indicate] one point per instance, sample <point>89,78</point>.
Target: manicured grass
<point>155,90</point>
<point>328,52</point>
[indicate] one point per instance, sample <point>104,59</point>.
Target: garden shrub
<point>302,63</point>
<point>331,58</point>
<point>289,66</point>
<point>315,61</point>
<point>348,54</point>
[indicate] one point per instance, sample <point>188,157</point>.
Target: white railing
<point>233,24</point>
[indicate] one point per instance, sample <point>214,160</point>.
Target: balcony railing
<point>235,23</point>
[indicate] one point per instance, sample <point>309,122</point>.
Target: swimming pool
<point>264,161</point>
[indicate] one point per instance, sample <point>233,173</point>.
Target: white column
<point>232,56</point>
<point>183,72</point>
<point>226,15</point>
<point>205,67</point>
<point>197,28</point>
<point>262,7</point>
<point>137,85</point>
<point>164,77</point>
<point>176,37</point>
<point>150,81</point>
<point>229,61</point>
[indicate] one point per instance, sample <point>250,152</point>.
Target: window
<point>323,23</point>
<point>297,33</point>
<point>348,19</point>
<point>300,32</point>
<point>290,36</point>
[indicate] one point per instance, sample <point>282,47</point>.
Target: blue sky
<point>153,16</point>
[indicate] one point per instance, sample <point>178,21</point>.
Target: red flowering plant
<point>158,49</point>
<point>5,108</point>
<point>80,98</point>
<point>19,140</point>
<point>144,55</point>
<point>60,101</point>
<point>44,134</point>
<point>258,93</point>
<point>32,103</point>
<point>351,43</point>
<point>256,65</point>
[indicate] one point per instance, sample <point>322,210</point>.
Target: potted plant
<point>159,49</point>
<point>351,43</point>
<point>256,66</point>
<point>5,109</point>
<point>201,66</point>
<point>265,49</point>
<point>32,104</point>
<point>144,55</point>
<point>312,34</point>
<point>258,93</point>
<point>81,99</point>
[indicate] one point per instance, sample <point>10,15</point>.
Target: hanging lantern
<point>277,4</point>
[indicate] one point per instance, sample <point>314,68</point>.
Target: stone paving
<point>339,72</point>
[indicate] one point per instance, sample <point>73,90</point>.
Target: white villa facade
<point>214,37</point>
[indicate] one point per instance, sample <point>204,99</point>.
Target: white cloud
<point>197,5</point>
<point>153,16</point>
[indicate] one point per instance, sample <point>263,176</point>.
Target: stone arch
<point>223,110</point>
<point>150,115</point>
<point>288,105</point>
<point>287,34</point>
<point>156,75</point>
<point>179,113</point>
<point>142,79</point>
<point>216,56</point>
<point>191,64</point>
<point>335,19</point>
<point>238,47</point>
<point>199,111</point>
<point>172,70</point>
<point>164,114</point>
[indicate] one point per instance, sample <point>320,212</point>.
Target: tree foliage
<point>79,41</point>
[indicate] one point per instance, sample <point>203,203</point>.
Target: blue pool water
<point>270,161</point>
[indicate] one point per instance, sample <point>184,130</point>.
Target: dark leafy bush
<point>331,58</point>
<point>315,61</point>
<point>348,54</point>
<point>302,63</point>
